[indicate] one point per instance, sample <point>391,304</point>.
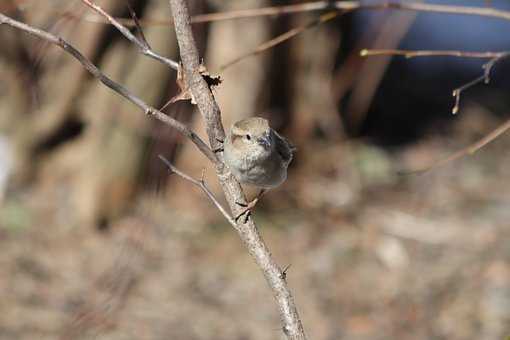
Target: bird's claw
<point>220,148</point>
<point>247,211</point>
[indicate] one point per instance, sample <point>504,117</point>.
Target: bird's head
<point>252,135</point>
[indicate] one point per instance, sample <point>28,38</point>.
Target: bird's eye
<point>248,137</point>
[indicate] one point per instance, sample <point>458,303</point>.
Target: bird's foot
<point>248,207</point>
<point>220,148</point>
<point>247,210</point>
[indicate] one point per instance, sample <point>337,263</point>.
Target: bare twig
<point>142,46</point>
<point>350,6</point>
<point>248,231</point>
<point>309,7</point>
<point>458,91</point>
<point>494,57</point>
<point>485,78</point>
<point>124,92</point>
<point>471,149</point>
<point>201,184</point>
<point>428,53</point>
<point>282,38</point>
<point>138,25</point>
<point>259,12</point>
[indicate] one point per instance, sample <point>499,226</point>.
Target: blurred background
<point>98,241</point>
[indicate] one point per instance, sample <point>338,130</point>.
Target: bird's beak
<point>265,141</point>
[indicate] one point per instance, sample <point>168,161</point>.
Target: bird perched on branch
<point>257,155</point>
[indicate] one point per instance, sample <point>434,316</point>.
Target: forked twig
<point>485,78</point>
<point>138,25</point>
<point>121,90</point>
<point>201,184</point>
<point>142,46</point>
<point>494,57</point>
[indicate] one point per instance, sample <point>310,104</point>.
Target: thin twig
<point>138,25</point>
<point>260,12</point>
<point>274,11</point>
<point>469,150</point>
<point>350,6</point>
<point>282,38</point>
<point>248,231</point>
<point>494,57</point>
<point>485,78</point>
<point>143,47</point>
<point>428,53</point>
<point>201,184</point>
<point>123,91</point>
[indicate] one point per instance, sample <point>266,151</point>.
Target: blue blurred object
<point>439,31</point>
<point>418,91</point>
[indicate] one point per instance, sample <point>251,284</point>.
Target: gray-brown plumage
<point>256,154</point>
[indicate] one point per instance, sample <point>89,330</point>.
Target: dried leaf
<point>184,91</point>
<point>210,80</point>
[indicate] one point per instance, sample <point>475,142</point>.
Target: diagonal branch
<point>201,184</point>
<point>430,53</point>
<point>351,6</point>
<point>138,26</point>
<point>142,45</point>
<point>282,38</point>
<point>485,78</point>
<point>124,92</point>
<point>313,6</point>
<point>469,150</point>
<point>494,57</point>
<point>248,232</point>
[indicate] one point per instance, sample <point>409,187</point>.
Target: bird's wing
<point>284,148</point>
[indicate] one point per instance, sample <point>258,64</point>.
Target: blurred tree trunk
<point>83,144</point>
<point>91,151</point>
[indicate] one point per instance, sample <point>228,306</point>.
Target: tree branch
<point>351,6</point>
<point>428,53</point>
<point>199,88</point>
<point>201,184</point>
<point>248,231</point>
<point>469,150</point>
<point>282,38</point>
<point>124,92</point>
<point>141,44</point>
<point>313,6</point>
<point>494,57</point>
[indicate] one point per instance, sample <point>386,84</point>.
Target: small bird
<point>257,155</point>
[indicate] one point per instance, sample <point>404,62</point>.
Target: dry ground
<point>373,255</point>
